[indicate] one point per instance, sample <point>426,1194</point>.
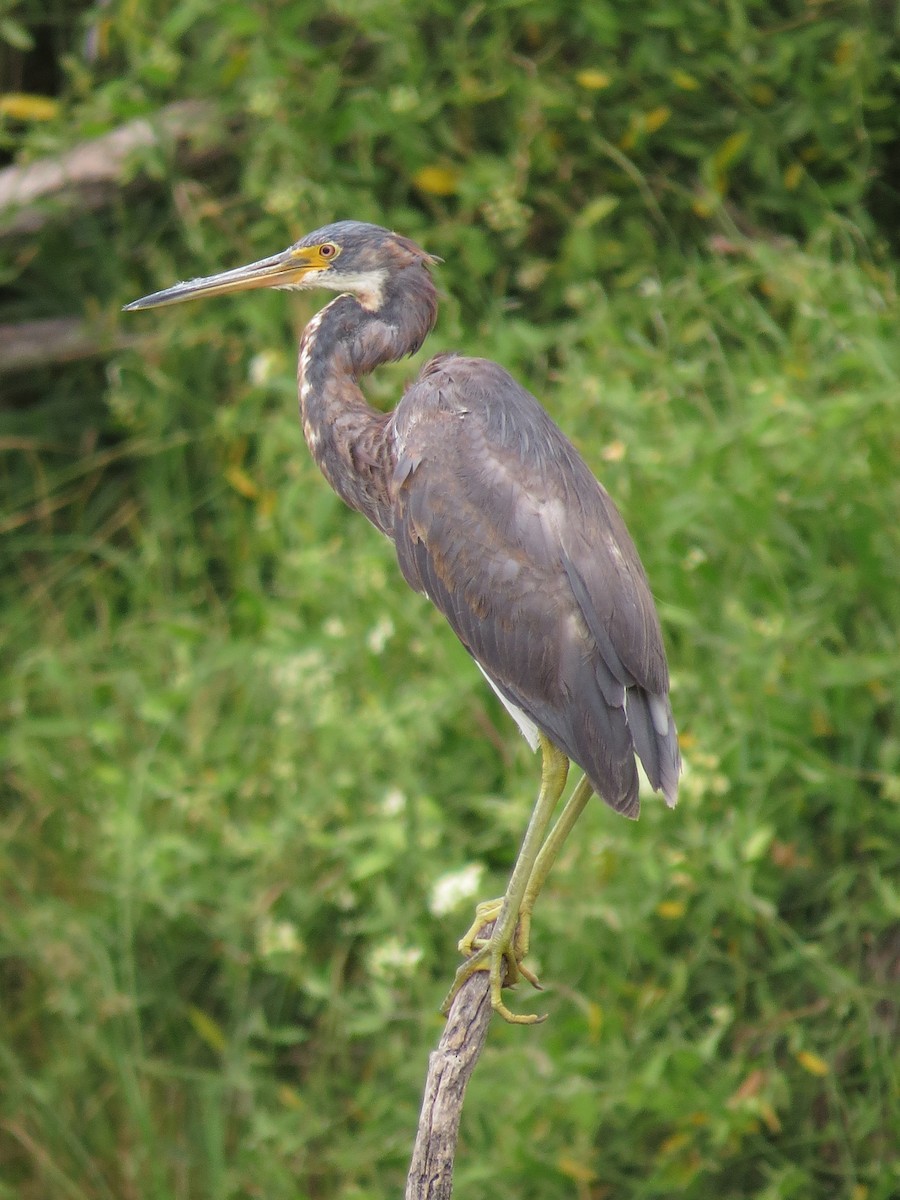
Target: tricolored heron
<point>498,521</point>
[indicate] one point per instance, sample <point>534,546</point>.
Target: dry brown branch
<point>90,174</point>
<point>30,344</point>
<point>449,1069</point>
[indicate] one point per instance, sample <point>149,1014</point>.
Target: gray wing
<point>498,520</point>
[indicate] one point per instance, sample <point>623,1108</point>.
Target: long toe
<point>498,958</point>
<point>486,913</point>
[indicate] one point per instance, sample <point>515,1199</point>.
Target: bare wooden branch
<point>449,1069</point>
<point>30,344</point>
<point>91,173</point>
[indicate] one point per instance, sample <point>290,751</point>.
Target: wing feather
<point>499,521</point>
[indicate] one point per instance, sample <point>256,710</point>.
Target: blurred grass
<point>239,756</point>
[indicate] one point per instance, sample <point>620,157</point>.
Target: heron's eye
<point>327,250</point>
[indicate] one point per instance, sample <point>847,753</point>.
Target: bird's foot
<point>486,913</point>
<point>500,954</point>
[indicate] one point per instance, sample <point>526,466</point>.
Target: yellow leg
<point>498,954</point>
<point>549,852</point>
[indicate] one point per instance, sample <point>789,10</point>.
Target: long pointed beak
<point>287,269</point>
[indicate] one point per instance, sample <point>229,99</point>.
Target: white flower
<point>451,889</point>
<point>277,937</point>
<point>264,366</point>
<point>391,959</point>
<point>379,635</point>
<point>393,803</point>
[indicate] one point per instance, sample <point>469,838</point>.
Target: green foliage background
<point>238,755</point>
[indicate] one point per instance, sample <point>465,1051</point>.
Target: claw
<point>500,957</point>
<point>531,977</point>
<point>497,964</point>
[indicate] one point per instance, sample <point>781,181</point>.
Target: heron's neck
<point>347,437</point>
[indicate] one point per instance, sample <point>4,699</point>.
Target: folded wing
<point>498,520</point>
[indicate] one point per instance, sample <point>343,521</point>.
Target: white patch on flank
<point>660,713</point>
<point>527,727</point>
<point>552,515</point>
<point>615,552</point>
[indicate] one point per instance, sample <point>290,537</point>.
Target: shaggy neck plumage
<point>340,345</point>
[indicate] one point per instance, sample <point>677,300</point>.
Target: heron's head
<point>347,256</point>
